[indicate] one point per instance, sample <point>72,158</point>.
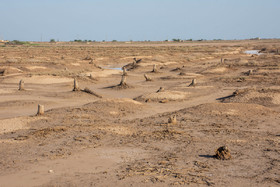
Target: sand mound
<point>120,86</point>
<point>173,77</point>
<point>116,106</point>
<point>6,91</point>
<point>165,95</point>
<point>75,64</point>
<point>117,130</point>
<point>9,125</point>
<point>124,100</point>
<point>35,67</point>
<point>131,57</point>
<point>102,73</point>
<point>265,97</point>
<point>100,110</point>
<point>151,63</point>
<point>39,80</point>
<point>230,109</point>
<point>5,70</point>
<point>17,103</point>
<point>182,75</point>
<point>216,70</point>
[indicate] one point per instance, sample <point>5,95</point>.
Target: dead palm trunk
<point>123,81</point>
<point>21,85</point>
<point>40,110</point>
<point>172,120</point>
<point>250,72</point>
<point>147,77</point>
<point>193,83</point>
<point>76,86</point>
<point>155,68</point>
<point>124,72</point>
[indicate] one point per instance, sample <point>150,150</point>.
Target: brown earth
<point>122,137</point>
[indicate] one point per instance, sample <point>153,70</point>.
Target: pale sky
<point>124,20</point>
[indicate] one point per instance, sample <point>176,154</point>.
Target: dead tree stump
<point>155,69</point>
<point>40,110</point>
<point>88,58</point>
<point>123,81</point>
<point>161,89</point>
<point>147,77</point>
<point>21,85</point>
<point>172,120</point>
<point>222,60</point>
<point>76,86</point>
<point>193,83</point>
<point>4,72</point>
<point>124,72</point>
<point>250,72</point>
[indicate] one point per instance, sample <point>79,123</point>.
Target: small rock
<point>50,171</point>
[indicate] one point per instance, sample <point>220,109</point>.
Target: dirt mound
<point>216,70</point>
<point>102,109</point>
<point>9,70</point>
<point>17,103</point>
<point>265,97</point>
<point>6,91</point>
<point>116,107</point>
<point>8,125</point>
<point>36,67</point>
<point>40,80</point>
<point>121,86</point>
<point>223,153</point>
<point>101,73</point>
<point>213,113</point>
<point>165,95</point>
<point>172,77</point>
<point>230,109</point>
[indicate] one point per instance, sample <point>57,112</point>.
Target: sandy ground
<point>121,134</point>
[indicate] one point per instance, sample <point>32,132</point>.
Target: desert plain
<point>158,130</point>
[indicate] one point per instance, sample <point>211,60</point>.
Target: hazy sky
<point>123,20</point>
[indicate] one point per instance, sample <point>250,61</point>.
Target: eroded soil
<point>119,134</point>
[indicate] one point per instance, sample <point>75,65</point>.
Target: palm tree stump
<point>21,85</point>
<point>40,110</point>
<point>76,85</point>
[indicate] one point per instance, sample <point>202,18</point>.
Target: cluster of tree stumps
<point>122,85</point>
<point>76,88</point>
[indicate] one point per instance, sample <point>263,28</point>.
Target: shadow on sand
<point>223,98</point>
<point>207,156</point>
